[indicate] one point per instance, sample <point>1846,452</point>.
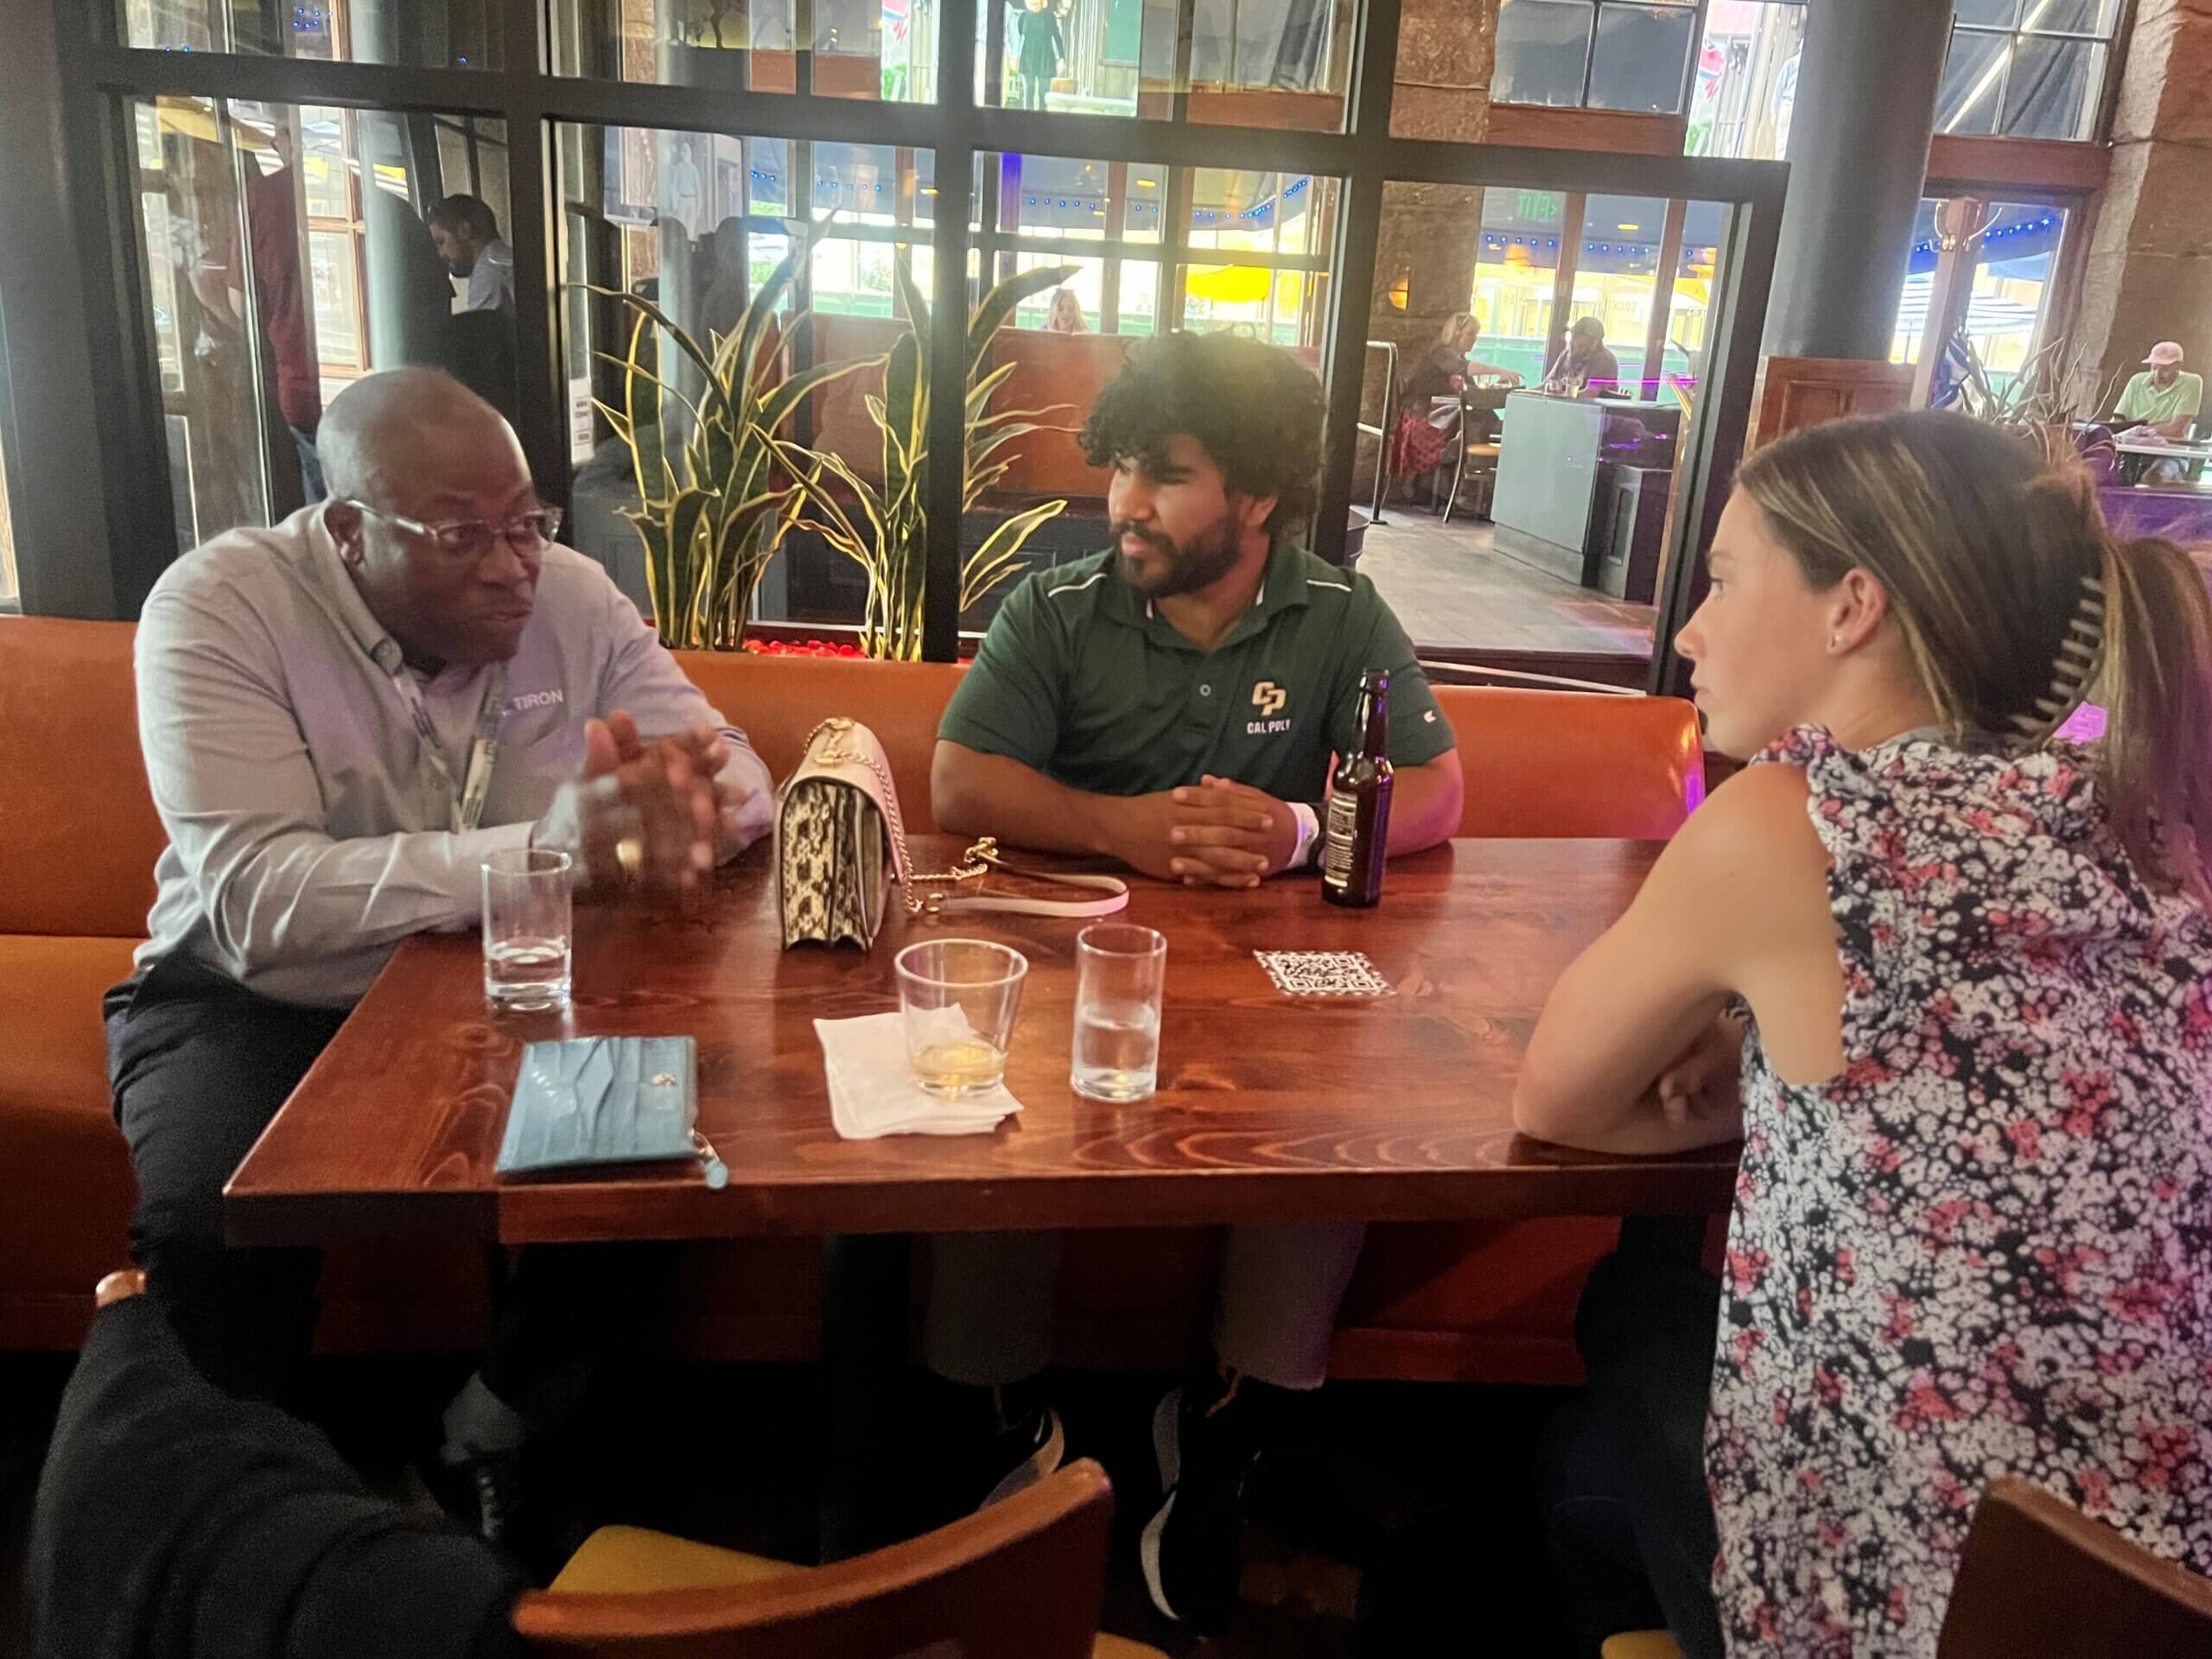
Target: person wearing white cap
<point>2165,399</point>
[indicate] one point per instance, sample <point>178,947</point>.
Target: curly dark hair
<point>1253,408</point>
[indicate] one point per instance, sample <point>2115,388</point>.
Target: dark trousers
<point>1627,1517</point>
<point>200,1065</point>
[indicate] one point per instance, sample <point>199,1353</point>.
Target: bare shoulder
<point>1749,844</point>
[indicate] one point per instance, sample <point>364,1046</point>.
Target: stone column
<point>1859,159</point>
<point>2149,275</point>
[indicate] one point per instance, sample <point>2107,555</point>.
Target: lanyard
<point>468,799</point>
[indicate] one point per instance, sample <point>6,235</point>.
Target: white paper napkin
<point>873,1090</point>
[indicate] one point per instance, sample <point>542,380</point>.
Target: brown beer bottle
<point>1355,839</point>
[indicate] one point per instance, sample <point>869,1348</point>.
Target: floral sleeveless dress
<point>1986,1247</point>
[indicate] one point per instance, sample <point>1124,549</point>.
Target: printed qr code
<point>1324,973</point>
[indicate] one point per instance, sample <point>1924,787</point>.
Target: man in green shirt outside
<point>1174,702</point>
<point>2165,399</point>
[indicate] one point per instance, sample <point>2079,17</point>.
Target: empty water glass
<point>526,928</point>
<point>959,998</point>
<point>1120,971</point>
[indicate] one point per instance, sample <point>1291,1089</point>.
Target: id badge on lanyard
<point>467,800</point>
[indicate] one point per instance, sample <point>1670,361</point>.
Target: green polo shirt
<point>2146,401</point>
<point>1081,678</point>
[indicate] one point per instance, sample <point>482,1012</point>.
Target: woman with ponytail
<point>1949,978</point>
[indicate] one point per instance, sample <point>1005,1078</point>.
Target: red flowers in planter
<point>800,648</point>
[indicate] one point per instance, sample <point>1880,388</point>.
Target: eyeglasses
<point>470,539</point>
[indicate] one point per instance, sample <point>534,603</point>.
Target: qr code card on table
<point>1324,973</point>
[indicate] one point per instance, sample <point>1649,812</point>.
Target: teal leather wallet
<point>603,1100</point>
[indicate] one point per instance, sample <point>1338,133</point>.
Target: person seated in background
<point>1065,317</point>
<point>1950,981</point>
<point>468,235</point>
<point>1173,704</point>
<point>343,716</point>
<point>174,1521</point>
<point>1585,368</point>
<point>2162,402</point>
<point>1422,440</point>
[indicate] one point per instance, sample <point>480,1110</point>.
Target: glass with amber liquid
<point>958,999</point>
<point>1355,834</point>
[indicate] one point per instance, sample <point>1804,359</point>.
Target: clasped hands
<point>1211,833</point>
<point>656,814</point>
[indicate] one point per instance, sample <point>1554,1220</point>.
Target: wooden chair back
<point>1022,1579</point>
<point>2039,1577</point>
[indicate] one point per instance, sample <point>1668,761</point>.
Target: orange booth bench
<point>78,841</point>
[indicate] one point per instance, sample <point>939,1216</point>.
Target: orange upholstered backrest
<point>79,835</point>
<point>1562,763</point>
<point>778,701</point>
<point>1574,764</point>
<point>1063,375</point>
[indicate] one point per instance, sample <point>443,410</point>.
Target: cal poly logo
<point>1270,700</point>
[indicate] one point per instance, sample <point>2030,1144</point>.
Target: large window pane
<point>1543,47</point>
<point>877,50</point>
<point>426,33</point>
<point>1516,273</point>
<point>2014,255</point>
<point>1617,277</point>
<point>1257,242</point>
<point>1640,57</point>
<point>2051,91</point>
<point>1248,232</point>
<point>291,249</point>
<point>1558,541</point>
<point>871,206</point>
<point>1269,63</point>
<point>1746,89</point>
<point>1972,95</point>
<point>1996,14</point>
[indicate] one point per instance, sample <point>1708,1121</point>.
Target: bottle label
<point>1338,838</point>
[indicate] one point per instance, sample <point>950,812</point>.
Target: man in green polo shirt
<point>1174,702</point>
<point>2164,397</point>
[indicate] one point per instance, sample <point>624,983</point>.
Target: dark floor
<point>1451,587</point>
<point>1393,1476</point>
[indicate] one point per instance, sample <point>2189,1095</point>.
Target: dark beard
<point>1209,556</point>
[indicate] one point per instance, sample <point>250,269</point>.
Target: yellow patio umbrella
<point>1229,284</point>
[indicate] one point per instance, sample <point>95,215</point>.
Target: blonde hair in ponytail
<point>2017,605</point>
<point>2155,688</point>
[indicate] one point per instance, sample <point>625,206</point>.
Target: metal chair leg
<point>1458,473</point>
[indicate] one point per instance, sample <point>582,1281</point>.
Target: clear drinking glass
<point>1120,971</point>
<point>526,928</point>
<point>959,998</point>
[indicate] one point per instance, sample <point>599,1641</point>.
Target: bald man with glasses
<point>343,716</point>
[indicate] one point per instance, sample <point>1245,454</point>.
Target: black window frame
<point>98,78</point>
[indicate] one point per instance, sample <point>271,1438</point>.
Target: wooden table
<point>1270,1108</point>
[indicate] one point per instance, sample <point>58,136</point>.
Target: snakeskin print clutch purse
<point>840,842</point>
<point>839,839</point>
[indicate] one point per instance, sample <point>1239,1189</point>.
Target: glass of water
<point>526,928</point>
<point>1120,972</point>
<point>959,998</point>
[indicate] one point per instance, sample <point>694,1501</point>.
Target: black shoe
<point>978,1445</point>
<point>1020,1455</point>
<point>1192,1551</point>
<point>482,1493</point>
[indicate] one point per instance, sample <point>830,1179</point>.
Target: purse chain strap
<point>976,862</point>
